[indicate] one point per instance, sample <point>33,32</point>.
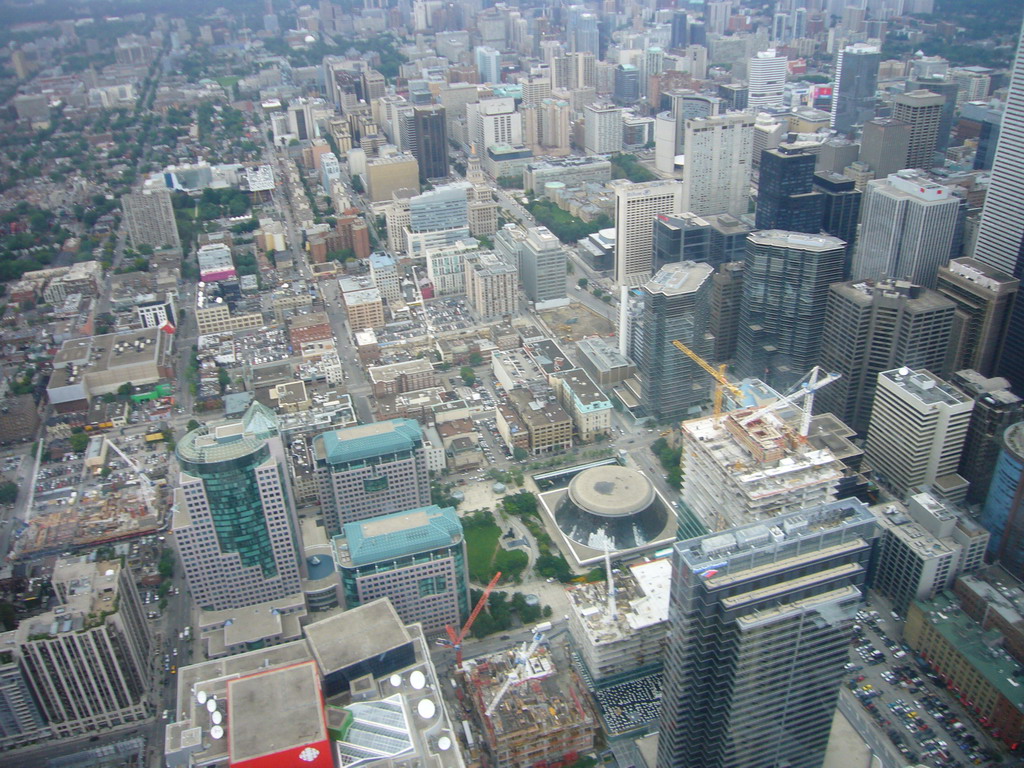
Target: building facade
<point>1003,514</point>
<point>716,176</point>
<point>636,206</point>
<point>542,265</point>
<point>856,81</point>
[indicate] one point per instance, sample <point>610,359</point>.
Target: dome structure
<point>612,508</point>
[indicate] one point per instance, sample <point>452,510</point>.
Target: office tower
<point>734,96</point>
<point>766,74</point>
<point>651,64</point>
<point>1001,231</point>
<point>235,526</point>
<point>438,218</point>
<point>884,145</point>
<point>916,432</point>
<point>724,315</point>
<point>493,121</point>
<point>923,111</point>
<point>716,176</point>
<point>786,197</point>
<point>602,129</point>
<point>386,175</point>
<point>973,82</point>
<point>302,114</point>
<point>373,85</point>
<point>873,327</point>
<point>627,85</point>
<point>910,226</point>
<point>488,64</point>
<point>837,153</point>
<point>995,409</point>
<point>1003,514</point>
<point>636,205</point>
<point>948,90</point>
<point>431,150</point>
<point>984,297</point>
<point>676,304</point>
<point>491,286</point>
<point>841,211</point>
<point>856,80</point>
<point>680,36</point>
<point>584,35</point>
<point>760,620</point>
<point>716,16</point>
<point>786,276</point>
<point>483,208</point>
<point>416,558</point>
<point>86,659</point>
<point>986,120</point>
<point>370,470</point>
<point>150,217</point>
<point>769,132</point>
<point>542,265</point>
<point>710,240</point>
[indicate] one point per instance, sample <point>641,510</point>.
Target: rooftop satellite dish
<point>444,743</point>
<point>417,680</point>
<point>426,709</point>
<point>904,371</point>
<point>219,300</point>
<point>217,717</point>
<point>211,705</point>
<point>216,733</point>
<point>396,680</point>
<point>201,697</point>
<point>310,39</point>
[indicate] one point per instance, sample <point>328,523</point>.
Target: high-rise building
<point>716,176</point>
<point>636,205</point>
<point>21,721</point>
<point>676,306</point>
<point>923,111</point>
<point>493,121</point>
<point>416,558</point>
<point>150,217</point>
<point>386,175</point>
<point>716,16</point>
<point>786,196</point>
<point>1000,242</point>
<point>984,297</point>
<point>884,144</point>
<point>584,33</point>
<point>488,64</point>
<point>995,409</point>
<point>542,265</point>
<point>602,129</point>
<point>786,276</point>
<point>916,433</point>
<point>431,150</point>
<point>438,218</point>
<point>235,525</point>
<point>856,81</point>
<point>724,317</point>
<point>760,620</point>
<point>373,84</point>
<point>873,327</point>
<point>627,85</point>
<point>491,286</point>
<point>974,83</point>
<point>1003,514</point>
<point>910,226</point>
<point>766,73</point>
<point>841,211</point>
<point>948,90</point>
<point>370,470</point>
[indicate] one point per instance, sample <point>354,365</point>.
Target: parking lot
<point>905,702</point>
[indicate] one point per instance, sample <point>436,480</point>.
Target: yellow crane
<point>718,374</point>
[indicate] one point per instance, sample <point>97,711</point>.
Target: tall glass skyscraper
<point>1003,515</point>
<point>760,620</point>
<point>786,196</point>
<point>853,100</point>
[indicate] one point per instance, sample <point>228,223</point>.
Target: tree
<point>192,425</point>
<point>522,504</point>
<point>8,492</point>
<point>519,453</point>
<point>357,184</point>
<point>475,358</point>
<point>223,379</point>
<point>125,389</point>
<point>166,565</point>
<point>79,442</point>
<point>7,616</point>
<point>467,375</point>
<point>582,282</point>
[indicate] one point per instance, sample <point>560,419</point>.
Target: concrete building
<point>415,558</point>
<point>766,74</point>
<point>716,176</point>
<point>370,470</point>
<point>21,720</point>
<point>603,362</point>
<point>385,175</point>
<point>364,307</point>
<point>995,599</point>
<point>446,266</point>
<point>234,522</point>
<point>916,433</point>
<point>1003,514</point>
<point>636,206</point>
<point>856,81</point>
<point>602,129</point>
<point>884,145</point>
<point>571,171</point>
<point>923,111</point>
<point>760,618</point>
<point>492,122</point>
<point>491,286</point>
<point>488,64</point>
<point>923,548</point>
<point>589,408</point>
<point>873,327</point>
<point>624,635</point>
<point>384,274</point>
<point>910,226</point>
<point>542,265</point>
<point>85,661</point>
<point>547,424</point>
<point>149,216</point>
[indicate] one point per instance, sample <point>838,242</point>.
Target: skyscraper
<point>910,226</point>
<point>884,144</point>
<point>1000,241</point>
<point>1003,514</point>
<point>542,264</point>
<point>786,276</point>
<point>916,432</point>
<point>627,85</point>
<point>716,176</point>
<point>760,620</point>
<point>923,111</point>
<point>786,197</point>
<point>948,90</point>
<point>676,306</point>
<point>766,73</point>
<point>370,470</point>
<point>150,217</point>
<point>602,129</point>
<point>873,327</point>
<point>234,525</point>
<point>636,205</point>
<point>431,150</point>
<point>841,211</point>
<point>853,99</point>
<point>488,64</point>
<point>584,32</point>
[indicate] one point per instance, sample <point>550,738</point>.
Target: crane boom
<point>810,384</point>
<point>718,374</point>
<point>456,639</point>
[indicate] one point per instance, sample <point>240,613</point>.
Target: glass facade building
<point>1003,514</point>
<point>786,197</point>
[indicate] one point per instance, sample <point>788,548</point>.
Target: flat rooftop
<point>926,387</point>
<point>367,441</point>
<point>680,278</point>
<point>641,601</point>
<point>340,641</point>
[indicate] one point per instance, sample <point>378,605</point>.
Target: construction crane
<point>718,374</point>
<point>456,639</point>
<point>517,674</point>
<point>145,484</point>
<point>810,384</point>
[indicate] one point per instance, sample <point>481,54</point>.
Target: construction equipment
<point>518,673</point>
<point>805,390</point>
<point>718,374</point>
<point>456,639</point>
<point>145,484</point>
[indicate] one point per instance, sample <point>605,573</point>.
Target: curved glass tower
<point>1003,515</point>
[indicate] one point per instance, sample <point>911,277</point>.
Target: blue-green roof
<point>400,534</point>
<point>368,441</point>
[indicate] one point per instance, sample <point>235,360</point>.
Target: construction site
<point>532,709</point>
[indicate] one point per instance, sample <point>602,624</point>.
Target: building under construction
<point>529,712</point>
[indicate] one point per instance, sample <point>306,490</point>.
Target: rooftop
<point>925,387</point>
<point>783,239</point>
<point>229,439</point>
<point>367,441</point>
<point>397,535</point>
<point>641,600</point>
<point>340,641</point>
<point>679,278</point>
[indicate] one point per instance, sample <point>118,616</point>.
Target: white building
<point>716,172</point>
<point>766,75</point>
<point>636,205</point>
<point>917,431</point>
<point>602,129</point>
<point>446,266</point>
<point>488,64</point>
<point>494,121</point>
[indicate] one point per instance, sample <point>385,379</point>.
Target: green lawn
<point>481,544</point>
<point>228,81</point>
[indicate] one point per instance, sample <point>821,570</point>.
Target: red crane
<point>456,640</point>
